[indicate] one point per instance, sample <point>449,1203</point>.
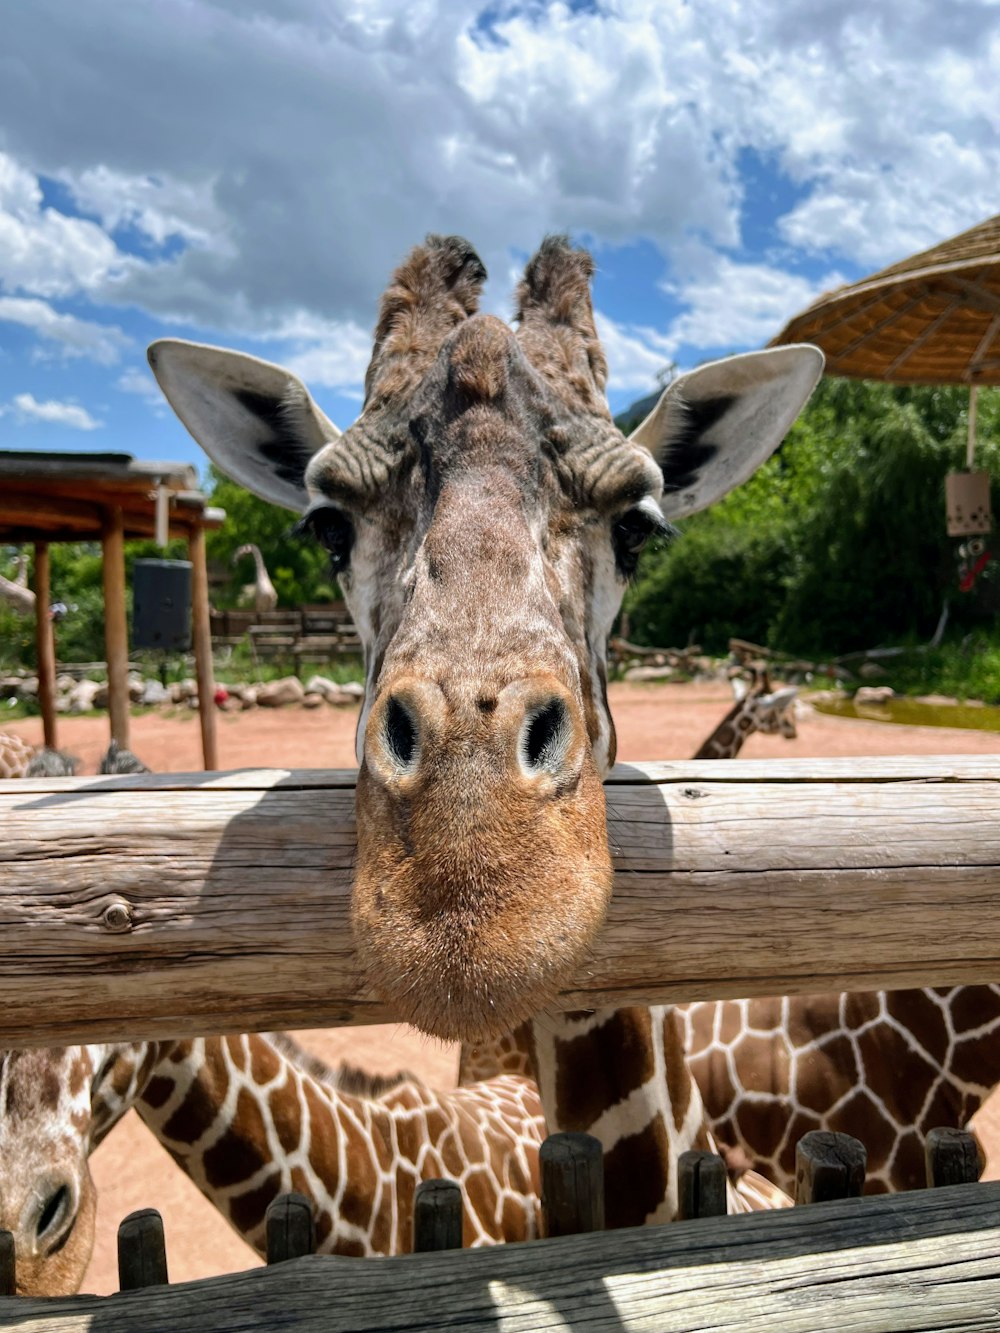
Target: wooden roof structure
<point>933,318</point>
<point>46,496</point>
<point>112,498</point>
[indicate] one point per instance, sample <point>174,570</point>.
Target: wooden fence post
<point>952,1157</point>
<point>142,1253</point>
<point>290,1229</point>
<point>701,1185</point>
<point>437,1216</point>
<point>8,1282</point>
<point>572,1167</point>
<point>829,1166</point>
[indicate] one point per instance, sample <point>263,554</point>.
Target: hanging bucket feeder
<point>161,605</point>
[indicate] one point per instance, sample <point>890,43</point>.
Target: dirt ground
<point>654,722</point>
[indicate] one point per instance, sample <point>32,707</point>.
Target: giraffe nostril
<point>545,736</point>
<point>400,734</point>
<point>55,1219</point>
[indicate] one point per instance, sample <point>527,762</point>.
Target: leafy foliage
<point>839,542</point>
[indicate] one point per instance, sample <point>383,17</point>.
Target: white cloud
<point>326,352</point>
<point>733,305</point>
<point>139,381</point>
<point>69,335</point>
<point>287,155</point>
<point>26,408</point>
<point>636,356</point>
<point>42,250</point>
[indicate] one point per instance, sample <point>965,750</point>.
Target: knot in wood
<point>692,793</point>
<point>117,917</point>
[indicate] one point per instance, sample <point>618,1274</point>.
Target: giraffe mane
<point>345,1078</point>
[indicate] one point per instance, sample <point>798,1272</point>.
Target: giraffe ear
<point>778,701</point>
<point>256,421</point>
<point>714,426</point>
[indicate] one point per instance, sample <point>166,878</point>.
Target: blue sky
<point>248,174</point>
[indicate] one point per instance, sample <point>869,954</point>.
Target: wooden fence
<point>168,903</point>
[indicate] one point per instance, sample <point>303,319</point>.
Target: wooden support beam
<point>115,624</point>
<point>925,1260</point>
<point>201,634</point>
<point>750,878</point>
<point>45,644</point>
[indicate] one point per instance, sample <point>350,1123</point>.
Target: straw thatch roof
<point>932,319</point>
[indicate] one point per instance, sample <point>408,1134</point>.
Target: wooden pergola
<point>112,498</point>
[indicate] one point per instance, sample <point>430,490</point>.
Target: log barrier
<point>177,904</point>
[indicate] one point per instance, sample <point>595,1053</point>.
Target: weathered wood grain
<point>927,1260</point>
<point>762,878</point>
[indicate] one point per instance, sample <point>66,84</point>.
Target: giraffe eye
<point>632,531</point>
<point>334,531</point>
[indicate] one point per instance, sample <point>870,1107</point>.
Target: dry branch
<point>177,904</point>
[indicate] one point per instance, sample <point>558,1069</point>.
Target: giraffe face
<point>483,515</point>
<point>56,1104</point>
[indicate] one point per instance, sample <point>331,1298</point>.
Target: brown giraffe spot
<point>635,1176</point>
<point>157,1091</point>
<point>200,1107</point>
<point>731,1024</point>
<point>677,1071</point>
<point>242,1149</point>
<point>800,1124</point>
<point>761,1064</point>
<point>861,1007</point>
<point>891,1063</point>
<point>265,1064</point>
<point>246,1211</point>
<point>514,1220</point>
<point>323,1139</point>
<point>763,1126</point>
<point>860,1116</point>
<point>909,1169</point>
<point>78,1075</point>
<point>944,1108</point>
<point>450,1152</point>
<point>300,1182</point>
<point>481,1194</point>
<point>286,1116</point>
<point>600,1068</point>
<point>974,1060</point>
<point>350,1249</point>
<point>809,1017</point>
<point>324,1226</point>
<point>406,1188</point>
<point>381,1236</point>
<point>825,1075</point>
<point>920,1015</point>
<point>237,1052</point>
<point>409,1137</point>
<point>362,1178</point>
<point>973,1006</point>
<point>763,1012</point>
<point>711,1072</point>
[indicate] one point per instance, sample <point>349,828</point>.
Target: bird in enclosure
<point>18,759</point>
<point>262,591</point>
<point>117,759</point>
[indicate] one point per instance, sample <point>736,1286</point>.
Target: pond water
<point>914,713</point>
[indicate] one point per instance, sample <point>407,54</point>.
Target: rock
<point>230,704</point>
<point>81,696</point>
<point>649,673</point>
<point>154,694</point>
<point>248,696</point>
<point>136,689</point>
<point>312,701</point>
<point>28,688</point>
<point>320,685</point>
<point>64,683</point>
<point>277,693</point>
<point>874,694</point>
<point>354,688</point>
<point>871,671</point>
<point>182,690</point>
<point>937,700</point>
<point>100,698</point>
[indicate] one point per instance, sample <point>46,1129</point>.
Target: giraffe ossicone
<point>483,515</point>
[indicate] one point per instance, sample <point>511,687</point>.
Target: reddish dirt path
<point>662,722</point>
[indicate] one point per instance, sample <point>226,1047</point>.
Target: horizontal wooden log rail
<point>928,1260</point>
<point>171,904</point>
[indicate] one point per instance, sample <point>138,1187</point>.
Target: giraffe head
<point>483,515</point>
<point>56,1105</point>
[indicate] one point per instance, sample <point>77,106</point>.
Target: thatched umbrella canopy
<point>932,319</point>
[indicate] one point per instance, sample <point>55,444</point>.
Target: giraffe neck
<point>247,1119</point>
<point>885,1066</point>
<point>728,738</point>
<point>621,1075</point>
<point>15,756</point>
